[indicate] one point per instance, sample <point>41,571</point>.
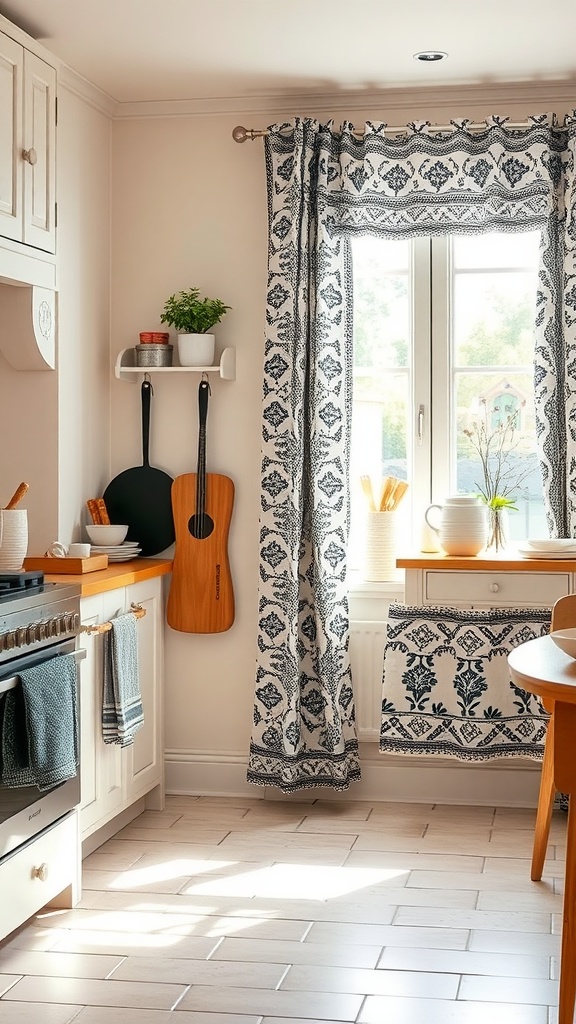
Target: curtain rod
<point>241,134</point>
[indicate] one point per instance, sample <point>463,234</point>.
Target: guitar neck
<point>201,473</point>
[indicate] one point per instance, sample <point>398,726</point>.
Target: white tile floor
<point>225,911</point>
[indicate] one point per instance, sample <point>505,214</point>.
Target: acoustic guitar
<point>201,596</point>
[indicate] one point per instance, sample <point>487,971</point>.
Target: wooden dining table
<point>540,667</point>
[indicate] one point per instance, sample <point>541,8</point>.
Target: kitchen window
<point>443,339</point>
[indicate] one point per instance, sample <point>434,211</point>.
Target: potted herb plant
<point>193,317</point>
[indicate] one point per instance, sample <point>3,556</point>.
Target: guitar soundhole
<point>200,526</point>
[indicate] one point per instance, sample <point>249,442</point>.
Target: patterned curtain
<point>326,185</point>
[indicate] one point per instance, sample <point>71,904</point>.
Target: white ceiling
<point>144,50</point>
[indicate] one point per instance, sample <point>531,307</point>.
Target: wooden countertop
<point>508,561</point>
<point>118,574</point>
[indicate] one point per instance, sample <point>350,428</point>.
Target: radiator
<point>367,640</point>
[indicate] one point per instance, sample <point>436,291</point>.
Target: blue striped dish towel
<point>40,726</point>
<point>122,712</point>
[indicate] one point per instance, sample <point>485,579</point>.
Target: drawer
<point>31,877</point>
<point>495,588</point>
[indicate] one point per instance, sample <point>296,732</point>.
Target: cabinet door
<point>11,73</point>
<point>101,763</point>
<point>145,757</point>
<point>40,141</point>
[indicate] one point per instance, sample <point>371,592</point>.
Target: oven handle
<point>12,681</point>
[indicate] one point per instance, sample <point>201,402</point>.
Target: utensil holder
<point>379,555</point>
<point>13,538</point>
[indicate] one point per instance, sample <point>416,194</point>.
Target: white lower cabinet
<point>45,870</point>
<point>113,777</point>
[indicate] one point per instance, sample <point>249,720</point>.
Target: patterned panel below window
<point>446,686</point>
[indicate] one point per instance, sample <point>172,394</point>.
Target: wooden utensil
<point>386,493</point>
<point>400,488</point>
<point>141,496</point>
<point>18,495</point>
<point>92,506</point>
<point>201,596</point>
<point>367,488</point>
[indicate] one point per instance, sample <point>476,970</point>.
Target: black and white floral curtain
<point>325,185</point>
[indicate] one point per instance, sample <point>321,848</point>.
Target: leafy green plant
<point>189,314</point>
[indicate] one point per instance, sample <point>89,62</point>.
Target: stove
<point>35,614</point>
<point>39,621</point>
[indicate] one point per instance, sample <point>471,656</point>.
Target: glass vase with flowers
<point>501,476</point>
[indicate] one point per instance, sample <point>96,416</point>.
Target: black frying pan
<point>142,497</point>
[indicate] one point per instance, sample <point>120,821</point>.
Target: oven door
<point>25,811</point>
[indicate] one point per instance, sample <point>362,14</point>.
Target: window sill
<point>369,601</point>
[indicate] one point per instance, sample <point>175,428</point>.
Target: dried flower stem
<point>500,479</point>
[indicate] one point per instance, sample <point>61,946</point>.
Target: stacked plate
<point>120,552</point>
<point>563,547</point>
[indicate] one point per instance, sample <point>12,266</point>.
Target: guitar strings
<point>201,474</point>
<point>200,485</point>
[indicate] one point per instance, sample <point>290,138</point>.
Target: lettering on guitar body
<point>218,581</point>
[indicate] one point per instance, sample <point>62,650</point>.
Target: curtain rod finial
<point>239,134</point>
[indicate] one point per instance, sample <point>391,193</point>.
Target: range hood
<point>27,325</point>
<point>27,306</point>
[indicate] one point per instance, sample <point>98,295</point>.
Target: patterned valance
<point>446,686</point>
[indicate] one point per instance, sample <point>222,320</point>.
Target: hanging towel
<point>40,727</point>
<point>122,712</point>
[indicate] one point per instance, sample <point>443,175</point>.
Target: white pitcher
<point>463,526</point>
<point>13,538</point>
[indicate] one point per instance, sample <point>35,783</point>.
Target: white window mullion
<point>422,414</point>
<point>442,383</point>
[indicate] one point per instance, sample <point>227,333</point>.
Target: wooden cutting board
<point>70,566</point>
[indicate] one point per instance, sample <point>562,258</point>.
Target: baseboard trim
<point>410,780</point>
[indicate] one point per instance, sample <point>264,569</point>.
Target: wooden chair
<point>563,617</point>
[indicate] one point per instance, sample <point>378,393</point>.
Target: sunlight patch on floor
<point>295,881</point>
<point>180,868</point>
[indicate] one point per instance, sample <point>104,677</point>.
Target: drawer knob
<point>30,155</point>
<point>494,588</point>
<point>40,872</point>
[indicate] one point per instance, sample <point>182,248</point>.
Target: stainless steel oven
<point>38,621</point>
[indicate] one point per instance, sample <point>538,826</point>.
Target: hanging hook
<point>148,381</point>
<point>205,380</point>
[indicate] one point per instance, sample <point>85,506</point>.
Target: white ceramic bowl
<point>107,536</point>
<point>565,639</point>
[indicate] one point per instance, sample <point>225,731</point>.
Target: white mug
<point>79,551</point>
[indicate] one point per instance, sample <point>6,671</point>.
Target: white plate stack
<point>119,552</point>
<point>562,547</point>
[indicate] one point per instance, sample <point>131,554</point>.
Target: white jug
<point>13,538</point>
<point>463,527</point>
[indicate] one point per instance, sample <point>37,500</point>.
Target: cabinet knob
<point>40,872</point>
<point>30,155</point>
<point>494,588</point>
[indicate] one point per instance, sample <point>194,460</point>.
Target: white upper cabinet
<point>39,153</point>
<point>11,119</point>
<point>27,147</point>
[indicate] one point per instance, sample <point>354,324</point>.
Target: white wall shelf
<point>126,369</point>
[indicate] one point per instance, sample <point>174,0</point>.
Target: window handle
<point>420,424</point>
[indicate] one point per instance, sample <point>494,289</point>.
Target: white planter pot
<point>196,349</point>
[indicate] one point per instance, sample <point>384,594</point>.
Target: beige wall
<point>189,208</point>
<point>83,188</point>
